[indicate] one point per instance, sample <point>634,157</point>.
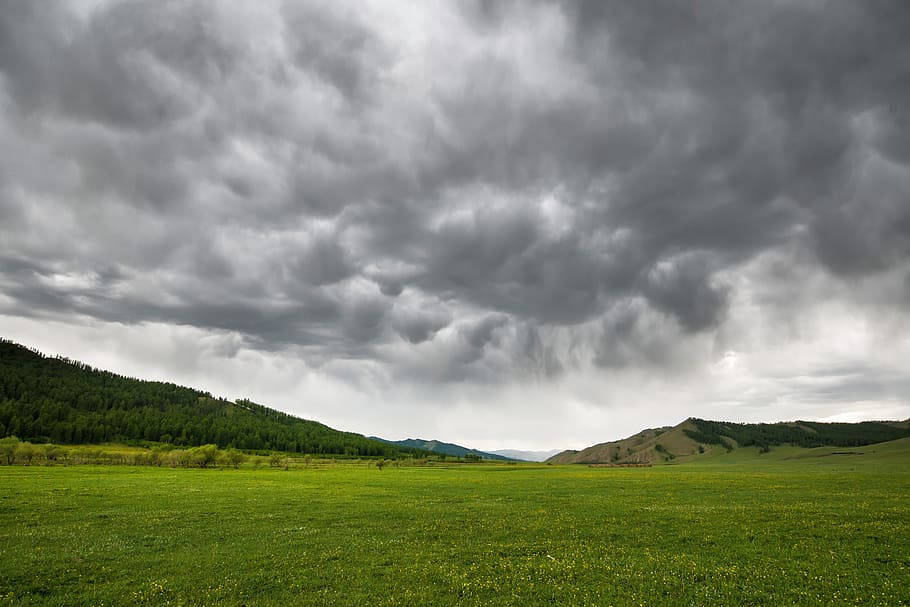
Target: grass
<point>744,530</point>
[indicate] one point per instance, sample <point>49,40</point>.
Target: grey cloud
<point>809,88</point>
<point>391,288</point>
<point>631,335</point>
<point>482,332</point>
<point>114,68</point>
<point>869,229</point>
<point>363,318</point>
<point>298,174</point>
<point>536,355</point>
<point>331,42</point>
<point>683,287</point>
<point>417,325</point>
<point>323,261</point>
<point>855,381</point>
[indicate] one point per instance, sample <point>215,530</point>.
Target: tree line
<point>58,400</point>
<point>15,451</point>
<point>801,433</point>
<point>25,453</point>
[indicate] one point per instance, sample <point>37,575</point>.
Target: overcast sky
<point>503,224</point>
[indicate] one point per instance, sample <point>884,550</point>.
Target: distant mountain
<point>45,399</point>
<point>526,456</point>
<point>695,437</point>
<point>436,446</point>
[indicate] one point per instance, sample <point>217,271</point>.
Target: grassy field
<point>737,529</point>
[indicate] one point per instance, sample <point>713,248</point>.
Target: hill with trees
<point>436,446</point>
<point>55,399</point>
<point>698,436</point>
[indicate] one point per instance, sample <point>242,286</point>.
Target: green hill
<point>45,399</point>
<point>447,448</point>
<point>697,437</point>
<point>868,455</point>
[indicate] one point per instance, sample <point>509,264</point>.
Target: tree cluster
<point>15,451</point>
<point>800,434</point>
<point>57,400</point>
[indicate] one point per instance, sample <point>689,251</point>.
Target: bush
<point>204,456</point>
<point>53,453</point>
<point>8,448</point>
<point>232,457</point>
<point>180,457</point>
<point>26,452</point>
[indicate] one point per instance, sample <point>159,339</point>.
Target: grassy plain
<point>736,529</point>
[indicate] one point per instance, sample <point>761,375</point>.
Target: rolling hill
<point>695,437</point>
<point>54,399</point>
<point>436,446</point>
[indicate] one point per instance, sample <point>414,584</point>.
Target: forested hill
<point>696,437</point>
<point>445,448</point>
<point>44,399</point>
<point>799,433</point>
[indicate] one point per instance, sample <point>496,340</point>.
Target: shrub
<point>8,448</point>
<point>232,457</point>
<point>26,452</point>
<point>204,456</point>
<point>53,453</point>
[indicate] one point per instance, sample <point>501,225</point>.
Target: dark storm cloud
<point>820,77</point>
<point>418,325</point>
<point>543,183</point>
<point>480,333</point>
<point>681,287</point>
<point>118,67</point>
<point>329,42</point>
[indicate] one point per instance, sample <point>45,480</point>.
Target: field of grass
<point>763,530</point>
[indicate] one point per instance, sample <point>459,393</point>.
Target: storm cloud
<point>465,197</point>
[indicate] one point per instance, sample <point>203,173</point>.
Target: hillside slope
<point>868,455</point>
<point>46,399</point>
<point>696,437</point>
<point>436,446</point>
<point>643,447</point>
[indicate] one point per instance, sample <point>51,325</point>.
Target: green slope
<point>698,438</point>
<point>44,399</point>
<point>447,448</point>
<point>798,433</point>
<point>895,451</point>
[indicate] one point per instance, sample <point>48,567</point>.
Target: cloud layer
<point>464,198</point>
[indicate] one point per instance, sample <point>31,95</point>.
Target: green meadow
<point>793,527</point>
